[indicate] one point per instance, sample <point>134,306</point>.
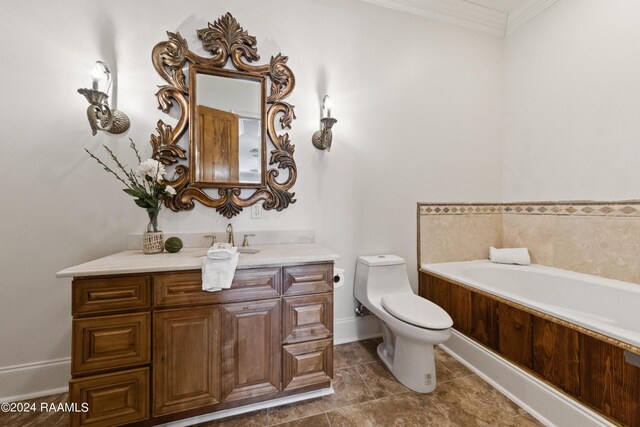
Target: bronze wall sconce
<point>322,139</point>
<point>100,115</point>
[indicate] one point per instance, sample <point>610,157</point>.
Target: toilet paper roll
<point>338,277</point>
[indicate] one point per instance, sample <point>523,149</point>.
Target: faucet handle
<point>213,238</point>
<point>245,241</point>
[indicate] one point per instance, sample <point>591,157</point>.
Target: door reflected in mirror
<point>228,130</point>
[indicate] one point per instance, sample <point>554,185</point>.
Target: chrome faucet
<point>230,235</point>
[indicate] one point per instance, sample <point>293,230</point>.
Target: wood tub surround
<point>580,363</point>
<point>149,348</point>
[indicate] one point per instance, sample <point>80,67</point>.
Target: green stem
<point>153,220</point>
<point>107,168</point>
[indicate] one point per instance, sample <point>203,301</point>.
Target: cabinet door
<point>250,349</point>
<point>186,359</point>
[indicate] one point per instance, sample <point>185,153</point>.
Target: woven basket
<point>152,243</point>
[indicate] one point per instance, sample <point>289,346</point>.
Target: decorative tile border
<point>629,208</point>
<point>460,209</point>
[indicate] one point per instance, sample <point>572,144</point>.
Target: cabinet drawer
<point>102,295</point>
<point>308,317</point>
<point>308,279</point>
<point>306,364</point>
<point>112,399</point>
<point>110,342</point>
<point>185,288</point>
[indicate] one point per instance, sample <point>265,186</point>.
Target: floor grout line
<point>326,415</point>
<point>365,383</point>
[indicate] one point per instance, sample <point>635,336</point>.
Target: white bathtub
<point>609,307</point>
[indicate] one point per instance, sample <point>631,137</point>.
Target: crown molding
<point>458,12</point>
<point>470,15</point>
<point>526,13</point>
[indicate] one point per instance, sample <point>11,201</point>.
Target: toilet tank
<point>378,275</point>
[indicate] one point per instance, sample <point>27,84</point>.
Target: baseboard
<point>355,329</point>
<point>249,408</point>
<point>545,403</point>
<point>31,380</point>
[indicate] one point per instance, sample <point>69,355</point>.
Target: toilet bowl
<point>411,325</point>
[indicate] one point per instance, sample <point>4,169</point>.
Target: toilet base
<point>412,363</point>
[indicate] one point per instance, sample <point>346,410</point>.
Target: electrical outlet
<point>256,212</point>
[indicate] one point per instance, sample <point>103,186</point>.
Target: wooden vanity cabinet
<point>155,347</point>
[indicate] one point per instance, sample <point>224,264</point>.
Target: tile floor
<point>366,394</point>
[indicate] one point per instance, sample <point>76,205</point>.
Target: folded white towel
<point>219,267</point>
<point>509,256</point>
<point>221,251</point>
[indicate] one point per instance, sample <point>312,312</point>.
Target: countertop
<point>134,261</point>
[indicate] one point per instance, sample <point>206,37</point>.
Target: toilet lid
<point>417,311</point>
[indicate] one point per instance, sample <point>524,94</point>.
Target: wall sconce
<point>100,116</point>
<point>322,139</point>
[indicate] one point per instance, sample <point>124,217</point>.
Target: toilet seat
<point>416,311</point>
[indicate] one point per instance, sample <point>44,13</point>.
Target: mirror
<point>233,144</point>
<point>226,129</point>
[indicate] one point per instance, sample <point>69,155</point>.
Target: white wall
<point>572,128</point>
<point>418,106</point>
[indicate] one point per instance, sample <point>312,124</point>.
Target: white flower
<point>151,168</point>
<point>170,190</point>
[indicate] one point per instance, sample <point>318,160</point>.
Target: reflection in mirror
<point>228,130</point>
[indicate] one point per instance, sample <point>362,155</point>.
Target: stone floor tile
<point>319,420</point>
<point>355,353</point>
<point>406,410</point>
<point>524,420</point>
<point>349,389</point>
<point>456,368</point>
<point>250,419</point>
<point>380,381</point>
<point>470,401</point>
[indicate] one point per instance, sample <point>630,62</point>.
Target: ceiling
<point>497,17</point>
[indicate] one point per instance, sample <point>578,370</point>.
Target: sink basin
<point>248,251</point>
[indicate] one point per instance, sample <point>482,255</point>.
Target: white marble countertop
<point>134,261</point>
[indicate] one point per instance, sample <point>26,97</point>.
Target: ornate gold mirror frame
<point>224,39</point>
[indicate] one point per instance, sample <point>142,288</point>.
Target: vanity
<point>149,346</point>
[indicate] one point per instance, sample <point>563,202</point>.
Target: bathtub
<point>569,342</point>
<point>609,307</point>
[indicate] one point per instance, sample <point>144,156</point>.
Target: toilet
<point>411,325</point>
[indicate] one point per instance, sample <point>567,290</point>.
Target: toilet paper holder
<point>338,277</point>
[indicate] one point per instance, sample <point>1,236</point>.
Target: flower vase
<point>152,242</point>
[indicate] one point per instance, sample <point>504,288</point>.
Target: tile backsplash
<point>598,238</point>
